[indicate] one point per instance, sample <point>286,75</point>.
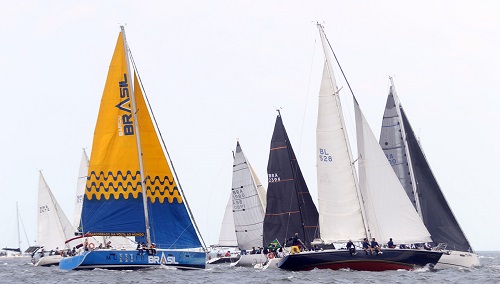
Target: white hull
<point>250,260</point>
<point>457,259</point>
<point>48,260</point>
<point>272,263</point>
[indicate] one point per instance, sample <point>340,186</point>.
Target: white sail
<point>248,210</point>
<point>227,236</point>
<point>80,189</point>
<point>54,227</point>
<point>340,212</point>
<point>390,213</point>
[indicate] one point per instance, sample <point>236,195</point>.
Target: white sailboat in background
<point>248,198</point>
<point>353,207</point>
<point>54,228</point>
<point>227,238</point>
<point>408,161</point>
<point>8,251</point>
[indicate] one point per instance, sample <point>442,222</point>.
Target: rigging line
<point>166,151</point>
<point>338,64</point>
<point>24,229</point>
<point>307,97</point>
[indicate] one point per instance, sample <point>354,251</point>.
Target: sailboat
<point>227,238</point>
<point>408,161</point>
<point>54,228</point>
<point>13,251</point>
<point>248,198</point>
<point>132,189</point>
<point>290,209</point>
<point>370,205</point>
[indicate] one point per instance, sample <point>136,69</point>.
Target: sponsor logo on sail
<point>125,119</point>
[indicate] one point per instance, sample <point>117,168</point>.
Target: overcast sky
<point>215,71</point>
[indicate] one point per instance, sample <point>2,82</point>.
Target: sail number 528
<point>324,156</point>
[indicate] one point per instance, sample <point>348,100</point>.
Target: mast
<point>17,222</point>
<point>138,139</point>
<point>325,44</point>
<point>406,149</point>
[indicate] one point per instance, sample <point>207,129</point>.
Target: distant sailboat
<point>372,205</point>
<point>248,199</point>
<point>408,161</point>
<point>13,251</point>
<point>54,228</point>
<point>131,188</point>
<point>227,238</point>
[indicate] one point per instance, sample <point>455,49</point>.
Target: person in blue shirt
<point>390,244</point>
<point>374,246</point>
<point>350,246</point>
<point>366,246</point>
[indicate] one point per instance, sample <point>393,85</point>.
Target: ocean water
<point>20,270</point>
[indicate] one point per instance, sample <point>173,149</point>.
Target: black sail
<point>433,207</point>
<point>435,211</point>
<point>290,208</point>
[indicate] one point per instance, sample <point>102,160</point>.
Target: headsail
<point>247,196</point>
<point>113,203</point>
<point>227,235</point>
<point>290,208</point>
<point>431,203</point>
<point>389,212</point>
<point>54,227</point>
<point>80,190</point>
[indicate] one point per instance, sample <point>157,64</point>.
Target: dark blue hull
<point>390,259</point>
<point>132,259</point>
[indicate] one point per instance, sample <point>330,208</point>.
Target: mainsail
<point>290,208</point>
<point>248,202</point>
<point>417,176</point>
<point>339,201</point>
<point>131,190</point>
<point>54,227</point>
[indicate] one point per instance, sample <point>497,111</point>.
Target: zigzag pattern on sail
<point>124,189</point>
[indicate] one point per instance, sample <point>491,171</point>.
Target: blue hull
<point>131,259</point>
<point>391,259</point>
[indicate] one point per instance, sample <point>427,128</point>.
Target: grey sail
<point>391,141</point>
<point>410,164</point>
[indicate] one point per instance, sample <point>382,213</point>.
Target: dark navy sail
<point>408,161</point>
<point>290,208</point>
<point>435,211</point>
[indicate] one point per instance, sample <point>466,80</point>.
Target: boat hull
<point>224,259</point>
<point>132,259</point>
<point>47,260</point>
<point>271,263</point>
<point>457,259</point>
<point>390,259</point>
<point>250,260</point>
